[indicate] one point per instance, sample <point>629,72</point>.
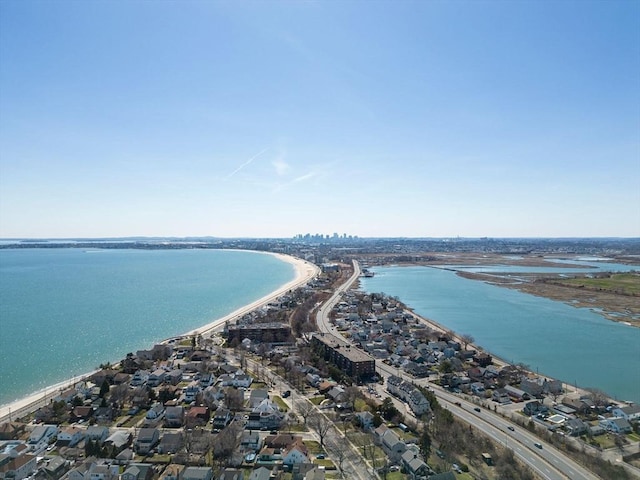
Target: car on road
<point>511,428</point>
<point>477,409</point>
<point>320,456</point>
<point>286,394</point>
<point>538,445</point>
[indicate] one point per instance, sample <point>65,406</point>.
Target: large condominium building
<point>352,361</point>
<point>260,332</point>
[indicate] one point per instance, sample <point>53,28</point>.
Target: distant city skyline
<point>271,119</point>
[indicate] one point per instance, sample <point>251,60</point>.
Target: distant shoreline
<point>304,271</point>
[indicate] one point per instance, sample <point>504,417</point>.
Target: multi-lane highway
<point>547,461</point>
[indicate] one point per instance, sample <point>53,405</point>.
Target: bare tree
<point>191,422</point>
<point>305,408</point>
<point>119,394</point>
<point>339,456</point>
<point>598,397</point>
<point>225,444</point>
<point>321,425</point>
<point>466,339</point>
<point>369,451</point>
<point>233,399</point>
<point>351,394</point>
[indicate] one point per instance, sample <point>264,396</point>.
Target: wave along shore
<point>304,271</point>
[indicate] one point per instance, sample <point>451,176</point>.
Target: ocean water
<point>575,345</point>
<point>65,311</point>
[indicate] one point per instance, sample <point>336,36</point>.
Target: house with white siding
<point>295,453</point>
<point>14,466</point>
<point>41,435</point>
<point>70,436</point>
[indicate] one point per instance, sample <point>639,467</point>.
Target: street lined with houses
<point>548,462</point>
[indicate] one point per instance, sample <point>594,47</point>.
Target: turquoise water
<point>65,311</point>
<point>575,345</point>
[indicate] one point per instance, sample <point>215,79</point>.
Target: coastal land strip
<point>304,272</point>
<point>614,296</point>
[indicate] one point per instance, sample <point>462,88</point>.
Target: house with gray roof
<point>261,473</point>
<point>414,463</point>
<point>138,471</point>
<point>392,445</point>
<point>119,439</point>
<point>170,443</point>
<point>616,425</point>
<point>197,473</point>
<point>97,433</point>
<point>147,439</point>
<point>231,474</point>
<point>630,413</point>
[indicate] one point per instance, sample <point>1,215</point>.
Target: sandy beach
<point>304,271</point>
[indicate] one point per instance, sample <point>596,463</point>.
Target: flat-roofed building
<point>272,332</point>
<point>351,360</point>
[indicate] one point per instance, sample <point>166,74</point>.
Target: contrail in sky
<point>246,163</point>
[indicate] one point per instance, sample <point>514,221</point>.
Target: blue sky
<point>268,119</point>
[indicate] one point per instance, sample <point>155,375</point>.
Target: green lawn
<point>633,437</point>
<point>605,441</point>
<point>396,476</point>
<point>316,400</point>
<point>463,476</point>
<point>298,427</point>
<point>313,447</point>
<point>627,283</point>
<point>135,419</point>
<point>361,405</point>
<point>326,463</point>
<point>281,405</point>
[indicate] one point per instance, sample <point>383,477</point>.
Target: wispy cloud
<point>300,179</point>
<point>304,178</point>
<point>281,166</point>
<point>246,163</point>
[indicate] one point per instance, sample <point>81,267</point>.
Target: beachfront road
<point>322,317</point>
<point>547,461</point>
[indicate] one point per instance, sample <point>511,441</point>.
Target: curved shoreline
<point>570,387</point>
<point>304,271</point>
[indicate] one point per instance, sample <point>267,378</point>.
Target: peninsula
<point>192,404</point>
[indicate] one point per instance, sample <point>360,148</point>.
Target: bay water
<point>64,311</point>
<point>575,345</point>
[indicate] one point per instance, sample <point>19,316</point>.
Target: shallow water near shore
<point>575,345</point>
<point>65,311</point>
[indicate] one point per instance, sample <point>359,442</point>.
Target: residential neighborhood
<point>267,398</point>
